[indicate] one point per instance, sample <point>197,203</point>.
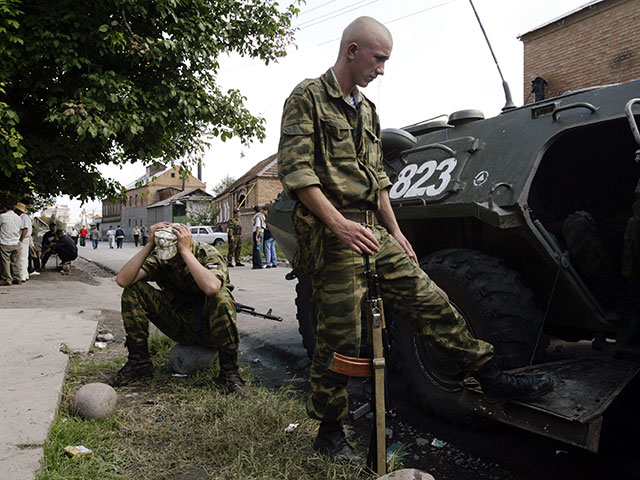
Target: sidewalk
<point>37,319</point>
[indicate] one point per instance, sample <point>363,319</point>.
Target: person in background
<point>111,236</point>
<point>47,239</point>
<point>258,233</point>
<point>234,237</point>
<point>74,235</point>
<point>66,249</point>
<point>95,236</point>
<point>25,238</point>
<point>136,235</point>
<point>84,233</point>
<point>145,234</point>
<point>269,244</point>
<point>10,231</point>
<point>119,236</point>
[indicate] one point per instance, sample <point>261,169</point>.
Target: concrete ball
<point>189,358</point>
<point>95,400</point>
<point>407,474</point>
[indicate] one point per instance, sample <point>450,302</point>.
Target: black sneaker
<point>332,442</point>
<point>238,264</point>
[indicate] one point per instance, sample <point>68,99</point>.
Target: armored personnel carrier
<point>484,203</point>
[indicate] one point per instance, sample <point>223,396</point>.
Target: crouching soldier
<point>193,307</point>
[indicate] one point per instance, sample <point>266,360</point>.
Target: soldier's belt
<point>367,218</point>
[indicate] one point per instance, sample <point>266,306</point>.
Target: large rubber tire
<point>307,313</point>
<point>498,308</point>
<point>218,242</point>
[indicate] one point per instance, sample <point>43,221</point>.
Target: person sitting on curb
<point>194,305</point>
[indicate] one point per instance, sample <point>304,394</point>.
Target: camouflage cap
<point>166,243</point>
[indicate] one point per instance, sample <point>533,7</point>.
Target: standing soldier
<point>330,160</point>
<point>234,232</point>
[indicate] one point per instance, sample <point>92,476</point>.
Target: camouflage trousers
<point>339,289</point>
<point>142,303</point>
<point>235,245</point>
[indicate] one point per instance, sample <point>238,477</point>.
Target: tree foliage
<point>205,214</point>
<point>222,184</point>
<point>89,83</point>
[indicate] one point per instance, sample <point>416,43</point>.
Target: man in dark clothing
<point>65,248</point>
<point>119,236</point>
<point>48,238</point>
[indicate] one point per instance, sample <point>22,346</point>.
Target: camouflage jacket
<point>325,141</point>
<point>234,229</point>
<point>179,281</point>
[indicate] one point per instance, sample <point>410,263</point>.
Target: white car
<point>208,234</point>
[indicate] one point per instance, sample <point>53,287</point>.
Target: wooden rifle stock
<point>374,367</point>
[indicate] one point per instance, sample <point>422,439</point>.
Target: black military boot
<point>502,387</point>
<point>138,366</point>
<point>229,374</point>
<point>332,442</point>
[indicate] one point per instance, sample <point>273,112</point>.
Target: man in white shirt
<point>25,234</point>
<point>258,232</point>
<point>10,230</point>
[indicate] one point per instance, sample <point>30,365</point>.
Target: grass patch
<point>189,428</point>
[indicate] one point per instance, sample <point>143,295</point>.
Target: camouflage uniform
<point>180,310</point>
<point>327,142</point>
<point>234,229</point>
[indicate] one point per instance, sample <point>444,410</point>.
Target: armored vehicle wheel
<point>307,313</point>
<point>498,308</point>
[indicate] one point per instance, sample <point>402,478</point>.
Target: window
<point>136,199</point>
<point>194,230</point>
<point>129,200</point>
<point>173,174</point>
<point>129,222</point>
<point>203,230</point>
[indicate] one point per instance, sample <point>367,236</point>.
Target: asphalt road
<point>274,351</point>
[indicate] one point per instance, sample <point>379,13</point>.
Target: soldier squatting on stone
<point>330,159</point>
<point>193,307</point>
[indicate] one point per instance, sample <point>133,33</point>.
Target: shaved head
<point>365,47</point>
<point>364,31</point>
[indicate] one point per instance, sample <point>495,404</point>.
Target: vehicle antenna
<point>507,92</point>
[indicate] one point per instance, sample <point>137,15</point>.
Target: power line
<point>316,8</point>
<point>396,19</point>
<point>335,13</point>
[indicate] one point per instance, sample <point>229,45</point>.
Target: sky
<point>440,63</point>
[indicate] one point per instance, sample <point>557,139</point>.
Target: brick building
<point>158,184</point>
<point>259,186</point>
<point>595,44</point>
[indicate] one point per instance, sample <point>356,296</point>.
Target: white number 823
<point>404,188</point>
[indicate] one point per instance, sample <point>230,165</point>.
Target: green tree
<point>222,184</point>
<point>203,216</point>
<point>118,81</point>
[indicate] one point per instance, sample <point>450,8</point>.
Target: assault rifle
<point>240,308</point>
<point>371,367</point>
